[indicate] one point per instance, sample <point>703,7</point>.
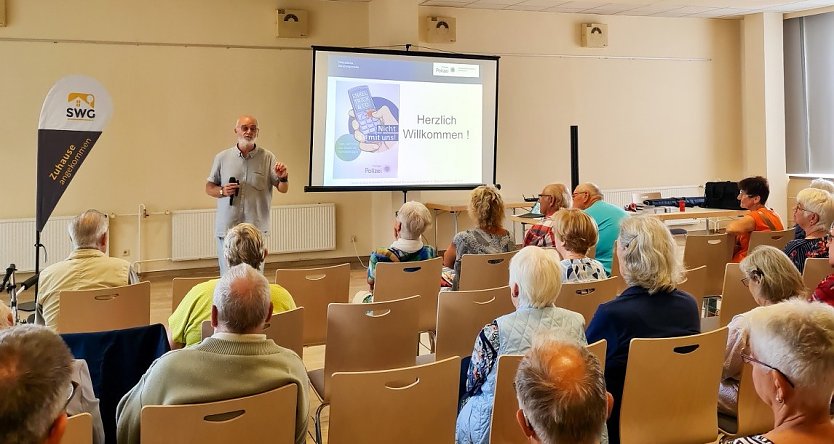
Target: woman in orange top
<point>752,197</point>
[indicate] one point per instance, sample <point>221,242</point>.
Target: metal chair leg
<point>317,421</point>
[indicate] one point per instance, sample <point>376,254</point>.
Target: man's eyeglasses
<point>73,387</point>
<point>580,192</point>
<point>545,195</point>
<point>748,358</point>
<point>245,128</point>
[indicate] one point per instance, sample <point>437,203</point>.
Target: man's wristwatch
<point>221,192</point>
<point>284,179</point>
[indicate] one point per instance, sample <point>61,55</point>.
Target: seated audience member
<point>792,354</point>
<point>35,385</point>
<point>534,285</point>
<point>814,212</point>
<point>244,244</point>
<point>238,360</point>
<point>752,197</point>
<point>86,268</point>
<point>820,184</point>
<point>411,221</point>
<point>588,198</point>
<point>651,306</point>
<point>575,234</point>
<point>486,208</point>
<point>84,399</point>
<point>553,198</point>
<point>825,289</point>
<point>771,279</point>
<point>561,394</point>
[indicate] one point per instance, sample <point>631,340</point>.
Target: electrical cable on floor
<point>356,251</point>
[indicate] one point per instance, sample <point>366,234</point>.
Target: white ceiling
<point>656,8</point>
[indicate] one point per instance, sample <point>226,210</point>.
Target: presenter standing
<point>241,179</point>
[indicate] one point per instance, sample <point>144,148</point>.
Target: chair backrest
<point>671,389</point>
<point>754,416</point>
<point>735,297</point>
<point>181,286</point>
<point>695,283</point>
<point>712,250</point>
<point>397,280</point>
<point>374,336</point>
<point>314,288</point>
<point>462,314</point>
<point>87,311</point>
<point>504,429</point>
<point>285,329</point>
<point>585,297</point>
<point>776,239</point>
<point>482,271</point>
<point>816,269</point>
<point>412,405</point>
<point>266,417</point>
<point>79,429</point>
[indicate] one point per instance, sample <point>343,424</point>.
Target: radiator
<point>292,229</point>
<point>622,197</point>
<point>17,240</point>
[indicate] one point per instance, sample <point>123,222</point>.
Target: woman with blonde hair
<point>771,279</point>
<point>486,208</point>
<point>574,234</point>
<point>813,212</point>
<point>792,354</point>
<point>651,306</point>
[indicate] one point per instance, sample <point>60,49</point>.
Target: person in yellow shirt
<point>244,244</point>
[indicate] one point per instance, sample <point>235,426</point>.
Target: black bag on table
<point>722,195</point>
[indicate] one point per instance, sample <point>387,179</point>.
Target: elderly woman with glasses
<point>791,349</point>
<point>771,279</point>
<point>752,197</point>
<point>814,212</point>
<point>651,306</point>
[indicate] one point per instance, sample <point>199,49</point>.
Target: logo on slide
<point>81,106</point>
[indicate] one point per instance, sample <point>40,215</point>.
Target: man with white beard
<point>241,179</point>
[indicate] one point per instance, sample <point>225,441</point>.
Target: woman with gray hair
<point>792,354</point>
<point>651,306</point>
<point>820,184</point>
<point>535,281</point>
<point>813,212</point>
<point>771,279</point>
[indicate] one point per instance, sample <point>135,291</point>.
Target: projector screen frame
<point>401,188</point>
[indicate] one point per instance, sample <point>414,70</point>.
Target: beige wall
<point>662,106</point>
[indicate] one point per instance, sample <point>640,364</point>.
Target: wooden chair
<point>585,297</point>
<point>285,329</point>
<point>482,271</point>
<point>313,289</point>
<point>412,405</point>
<point>462,314</point>
<point>754,416</point>
<point>735,297</point>
<point>503,428</point>
<point>671,389</point>
<point>365,337</point>
<point>712,250</point>
<point>816,269</point>
<point>181,286</point>
<point>87,311</point>
<point>79,429</point>
<point>266,417</point>
<point>397,280</point>
<point>776,239</point>
<point>694,284</point>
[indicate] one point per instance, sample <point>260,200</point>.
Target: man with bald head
<point>248,197</point>
<point>237,360</point>
<point>588,198</point>
<point>552,198</point>
<point>561,395</point>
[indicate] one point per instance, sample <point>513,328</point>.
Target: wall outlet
<point>353,238</point>
<point>125,253</point>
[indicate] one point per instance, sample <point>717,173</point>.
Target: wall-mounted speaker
<point>440,30</point>
<point>291,23</point>
<point>594,35</point>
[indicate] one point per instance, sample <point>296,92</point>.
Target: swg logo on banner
<point>81,106</point>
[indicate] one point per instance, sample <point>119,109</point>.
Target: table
<point>690,213</point>
<point>454,209</point>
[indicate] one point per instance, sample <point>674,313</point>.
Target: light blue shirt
<point>608,218</point>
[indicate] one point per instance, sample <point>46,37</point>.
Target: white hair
<point>822,184</point>
<point>819,202</point>
<point>797,337</point>
<point>86,229</point>
<point>538,274</point>
<point>242,298</point>
<point>650,258</point>
<point>414,218</point>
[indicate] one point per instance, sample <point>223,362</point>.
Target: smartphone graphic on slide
<point>363,107</point>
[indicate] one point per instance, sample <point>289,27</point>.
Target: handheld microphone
<point>28,283</point>
<point>232,197</point>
